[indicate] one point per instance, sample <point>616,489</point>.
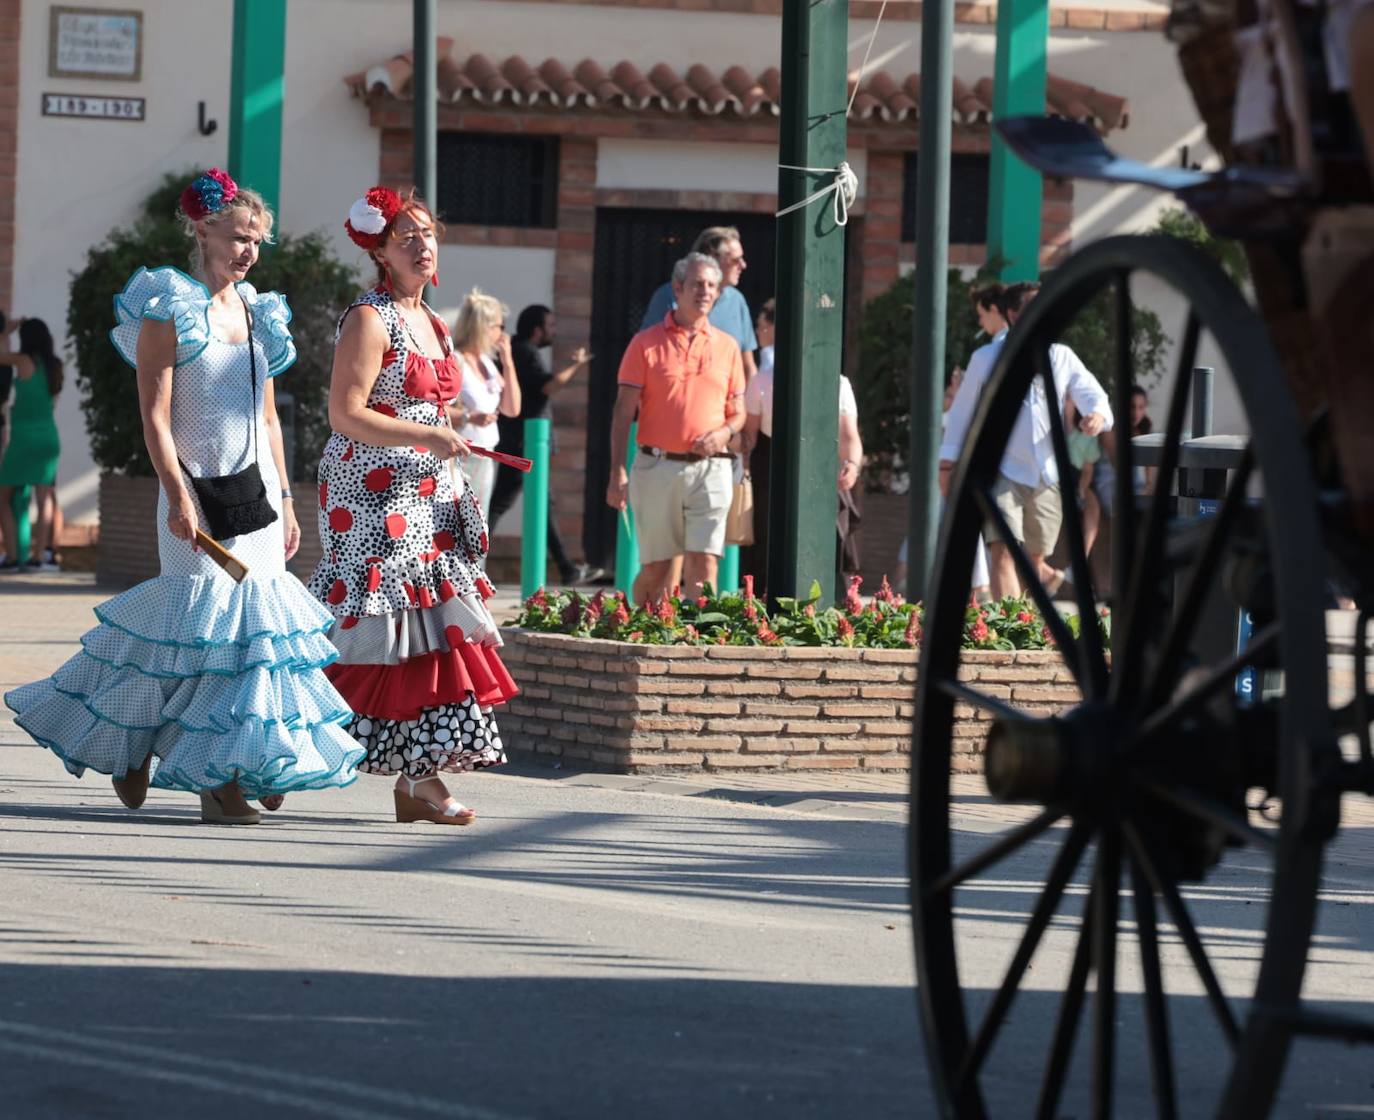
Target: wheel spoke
<point>1054,621</point>
<point>1142,601</point>
<point>1064,866</point>
<point>1017,838</point>
<point>1090,652</point>
<point>1066,1025</point>
<point>1104,926</point>
<point>1210,812</point>
<point>1156,1009</point>
<point>970,695</point>
<point>1185,616</point>
<point>1201,690</point>
<point>1183,922</point>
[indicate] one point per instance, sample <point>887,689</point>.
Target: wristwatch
<point>286,494</point>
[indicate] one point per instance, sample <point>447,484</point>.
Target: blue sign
<point>1247,679</point>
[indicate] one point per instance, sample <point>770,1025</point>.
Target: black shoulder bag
<point>235,504</point>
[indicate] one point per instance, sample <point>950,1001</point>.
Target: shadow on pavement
<point>115,1042</point>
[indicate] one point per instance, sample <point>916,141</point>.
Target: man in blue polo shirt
<point>731,312</point>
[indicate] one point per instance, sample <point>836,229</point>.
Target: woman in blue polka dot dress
<point>193,681</point>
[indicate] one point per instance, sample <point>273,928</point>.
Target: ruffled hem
<point>454,738</point>
<point>264,758</point>
<point>405,691</point>
<point>198,611</point>
<point>169,294</point>
<point>389,639</point>
<point>402,585</point>
<point>120,649</point>
<point>129,699</point>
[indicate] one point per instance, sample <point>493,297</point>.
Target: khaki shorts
<point>678,506</point>
<point>1034,513</point>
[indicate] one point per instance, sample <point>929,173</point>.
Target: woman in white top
<point>490,386</point>
<point>758,436</point>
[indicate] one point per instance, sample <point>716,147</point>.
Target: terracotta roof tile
<point>883,97</point>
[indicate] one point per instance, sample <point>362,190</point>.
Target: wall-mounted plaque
<point>95,43</point>
<point>83,105</point>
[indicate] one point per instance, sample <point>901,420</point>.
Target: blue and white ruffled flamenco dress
<point>220,681</point>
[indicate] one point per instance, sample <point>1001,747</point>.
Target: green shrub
<point>317,285</point>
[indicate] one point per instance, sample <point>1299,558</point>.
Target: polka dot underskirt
<point>451,739</point>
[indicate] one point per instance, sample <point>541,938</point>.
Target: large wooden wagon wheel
<point>1140,791</point>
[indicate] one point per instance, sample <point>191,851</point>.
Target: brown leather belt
<point>683,456</point>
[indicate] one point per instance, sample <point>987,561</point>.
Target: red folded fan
<point>515,461</point>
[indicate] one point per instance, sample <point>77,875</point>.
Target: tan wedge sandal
<point>410,808</point>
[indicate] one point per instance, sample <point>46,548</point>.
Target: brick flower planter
<point>632,708</point>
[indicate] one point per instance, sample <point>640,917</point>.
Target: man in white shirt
<point>1027,489</point>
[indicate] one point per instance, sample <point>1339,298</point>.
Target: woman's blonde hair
<point>479,313</point>
<point>246,199</point>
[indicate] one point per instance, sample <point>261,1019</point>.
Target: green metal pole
<point>534,537</point>
<point>257,88</point>
<point>425,85</point>
<point>1018,87</point>
<point>626,544</point>
<point>810,312</point>
<point>932,262</point>
<point>23,542</point>
<point>727,575</point>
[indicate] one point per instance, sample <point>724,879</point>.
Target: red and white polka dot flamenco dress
<point>403,571</point>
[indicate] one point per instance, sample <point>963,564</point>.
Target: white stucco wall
<point>77,179</point>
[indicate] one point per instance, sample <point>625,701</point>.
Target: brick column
<point>9,147</point>
<point>1056,222</point>
<point>572,303</point>
<point>882,226</point>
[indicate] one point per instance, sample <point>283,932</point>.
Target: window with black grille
<point>487,179</point>
<point>968,199</point>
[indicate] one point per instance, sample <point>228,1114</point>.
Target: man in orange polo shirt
<point>685,378</point>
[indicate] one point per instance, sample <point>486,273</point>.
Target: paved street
<point>593,946</point>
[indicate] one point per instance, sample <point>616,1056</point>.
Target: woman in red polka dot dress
<point>403,561</point>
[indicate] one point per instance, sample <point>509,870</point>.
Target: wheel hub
<point>1049,761</point>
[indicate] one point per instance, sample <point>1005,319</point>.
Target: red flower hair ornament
<point>370,215</point>
<point>207,194</point>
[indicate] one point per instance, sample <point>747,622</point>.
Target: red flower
<point>885,592</point>
<point>1024,616</point>
<point>766,635</point>
<point>845,628</point>
<point>751,612</point>
<point>620,615</point>
<point>720,638</point>
<point>748,587</point>
<point>1045,633</point>
<point>913,630</point>
<point>979,631</point>
<point>666,610</point>
<point>810,610</point>
<point>853,603</point>
<point>635,635</point>
<point>538,599</point>
<point>692,632</point>
<point>702,601</point>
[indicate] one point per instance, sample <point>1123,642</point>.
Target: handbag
<point>739,523</point>
<point>236,504</point>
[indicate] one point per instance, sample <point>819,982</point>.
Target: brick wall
<point>9,145</point>
<point>632,708</point>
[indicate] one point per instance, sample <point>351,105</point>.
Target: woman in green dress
<point>31,457</point>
